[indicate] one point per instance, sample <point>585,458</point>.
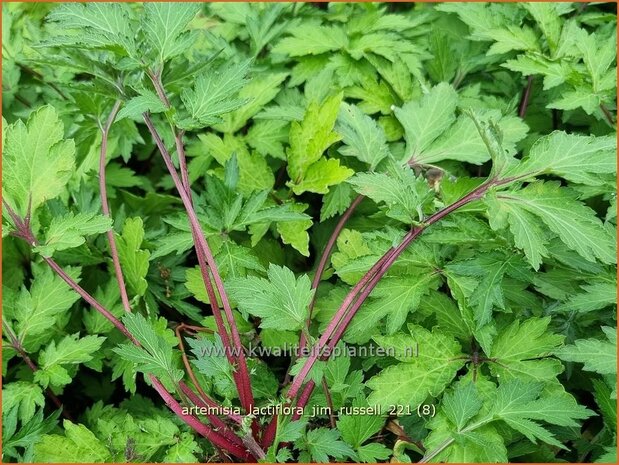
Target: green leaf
<point>23,397</point>
<point>428,118</point>
<point>492,136</point>
<point>308,141</point>
<point>214,94</point>
<point>147,101</point>
<point>574,157</point>
<point>71,350</point>
<point>295,233</point>
<point>323,443</point>
<point>417,375</point>
<point>362,136</point>
<point>133,259</point>
<point>69,231</point>
<point>37,162</point>
<point>309,39</point>
<point>356,429</point>
<point>281,302</point>
<point>155,356</point>
<point>36,310</point>
<point>597,355</point>
<point>164,25</point>
<point>96,25</point>
<point>461,405</point>
<point>78,445</point>
<point>210,360</point>
<point>522,349</point>
<point>575,224</point>
<point>406,196</point>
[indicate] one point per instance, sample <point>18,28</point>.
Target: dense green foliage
<point>459,158</point>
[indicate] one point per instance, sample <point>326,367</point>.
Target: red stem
<point>364,287</point>
<point>205,258</point>
<point>326,253</point>
<point>214,437</point>
<point>106,208</point>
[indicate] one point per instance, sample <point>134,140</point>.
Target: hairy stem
<point>214,437</point>
<point>207,262</point>
<point>106,207</point>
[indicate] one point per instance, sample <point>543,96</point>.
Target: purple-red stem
<point>23,231</point>
<point>205,258</point>
<point>526,96</point>
<point>16,344</point>
<point>364,287</point>
<point>106,207</point>
<point>214,437</point>
<point>326,253</point>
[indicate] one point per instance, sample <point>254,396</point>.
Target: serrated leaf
<point>597,355</point>
<point>214,94</point>
<point>281,302</point>
<point>69,231</point>
<point>147,101</point>
<point>575,224</point>
<point>309,39</point>
<point>417,375</point>
<point>78,445</point>
<point>362,136</point>
<point>428,118</point>
<point>24,397</point>
<point>37,161</point>
<point>70,350</point>
<point>164,25</point>
<point>574,157</point>
<point>133,259</point>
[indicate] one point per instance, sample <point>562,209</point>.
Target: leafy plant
<point>316,232</point>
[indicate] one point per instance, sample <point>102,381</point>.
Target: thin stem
<point>324,258</point>
<point>607,114</point>
<point>524,102</point>
<point>325,388</point>
<point>106,207</point>
<point>369,281</point>
<point>19,348</point>
<point>91,300</point>
<point>214,437</point>
<point>206,259</point>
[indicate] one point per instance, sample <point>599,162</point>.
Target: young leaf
<point>133,259</point>
<point>164,25</point>
<point>37,162</point>
<point>155,356</point>
<point>364,138</point>
<point>78,444</point>
<point>23,397</point>
<point>69,231</point>
<point>405,195</point>
<point>214,94</point>
<point>147,101</point>
<point>281,302</point>
<point>70,350</point>
<point>308,141</point>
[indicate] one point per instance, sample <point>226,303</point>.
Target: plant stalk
<point>106,207</point>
